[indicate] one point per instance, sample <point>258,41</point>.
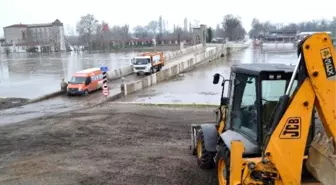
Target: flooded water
<point>196,86</point>
<point>32,75</point>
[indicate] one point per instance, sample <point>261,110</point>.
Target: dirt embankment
<point>110,145</point>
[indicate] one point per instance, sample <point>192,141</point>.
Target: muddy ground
<point>109,145</point>
<point>6,103</point>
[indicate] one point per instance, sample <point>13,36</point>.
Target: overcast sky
<point>140,12</point>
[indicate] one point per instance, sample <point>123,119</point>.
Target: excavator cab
<point>252,94</point>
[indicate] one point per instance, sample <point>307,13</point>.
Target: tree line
<point>231,28</point>
<point>259,28</point>
<point>93,32</point>
<point>96,35</point>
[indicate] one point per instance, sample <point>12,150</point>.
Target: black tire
<point>152,70</point>
<point>138,74</point>
<point>205,159</point>
<point>86,92</point>
<point>223,155</point>
<point>194,150</point>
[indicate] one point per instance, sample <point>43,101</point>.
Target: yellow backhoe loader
<point>268,133</point>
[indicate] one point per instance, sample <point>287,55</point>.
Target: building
<point>42,37</point>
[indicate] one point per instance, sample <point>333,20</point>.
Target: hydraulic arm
<point>284,147</point>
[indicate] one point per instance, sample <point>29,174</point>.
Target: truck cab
<point>148,63</point>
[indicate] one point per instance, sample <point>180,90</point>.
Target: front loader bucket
<point>321,162</point>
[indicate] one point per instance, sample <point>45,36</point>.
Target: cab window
<point>88,80</point>
<point>142,61</point>
<point>244,112</point>
<point>271,91</point>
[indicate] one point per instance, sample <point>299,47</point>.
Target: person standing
<point>64,85</point>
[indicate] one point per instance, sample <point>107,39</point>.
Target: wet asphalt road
<point>65,103</point>
<point>196,86</point>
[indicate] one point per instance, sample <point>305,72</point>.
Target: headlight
<point>80,89</point>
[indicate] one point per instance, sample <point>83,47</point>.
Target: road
<point>65,103</point>
<point>196,86</point>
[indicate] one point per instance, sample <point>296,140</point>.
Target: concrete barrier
<point>174,70</point>
<point>44,97</point>
<point>118,73</point>
<point>182,52</point>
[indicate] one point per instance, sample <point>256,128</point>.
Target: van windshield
<point>77,80</point>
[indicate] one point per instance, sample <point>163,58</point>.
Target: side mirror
<point>216,78</point>
<point>225,101</point>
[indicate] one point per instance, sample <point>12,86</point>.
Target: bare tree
<point>219,31</point>
<point>209,35</point>
<point>69,30</point>
<point>125,33</point>
<point>103,34</point>
<point>140,32</point>
<point>153,26</point>
<point>86,27</point>
<point>120,33</point>
<point>178,31</point>
<point>233,28</point>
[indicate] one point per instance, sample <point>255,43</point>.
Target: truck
<point>148,63</point>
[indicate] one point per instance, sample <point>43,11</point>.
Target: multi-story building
<point>44,37</point>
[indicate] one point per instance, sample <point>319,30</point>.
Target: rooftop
<point>257,68</point>
<point>88,70</point>
<point>55,23</point>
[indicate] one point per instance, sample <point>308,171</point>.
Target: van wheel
<point>86,92</point>
<point>152,70</point>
